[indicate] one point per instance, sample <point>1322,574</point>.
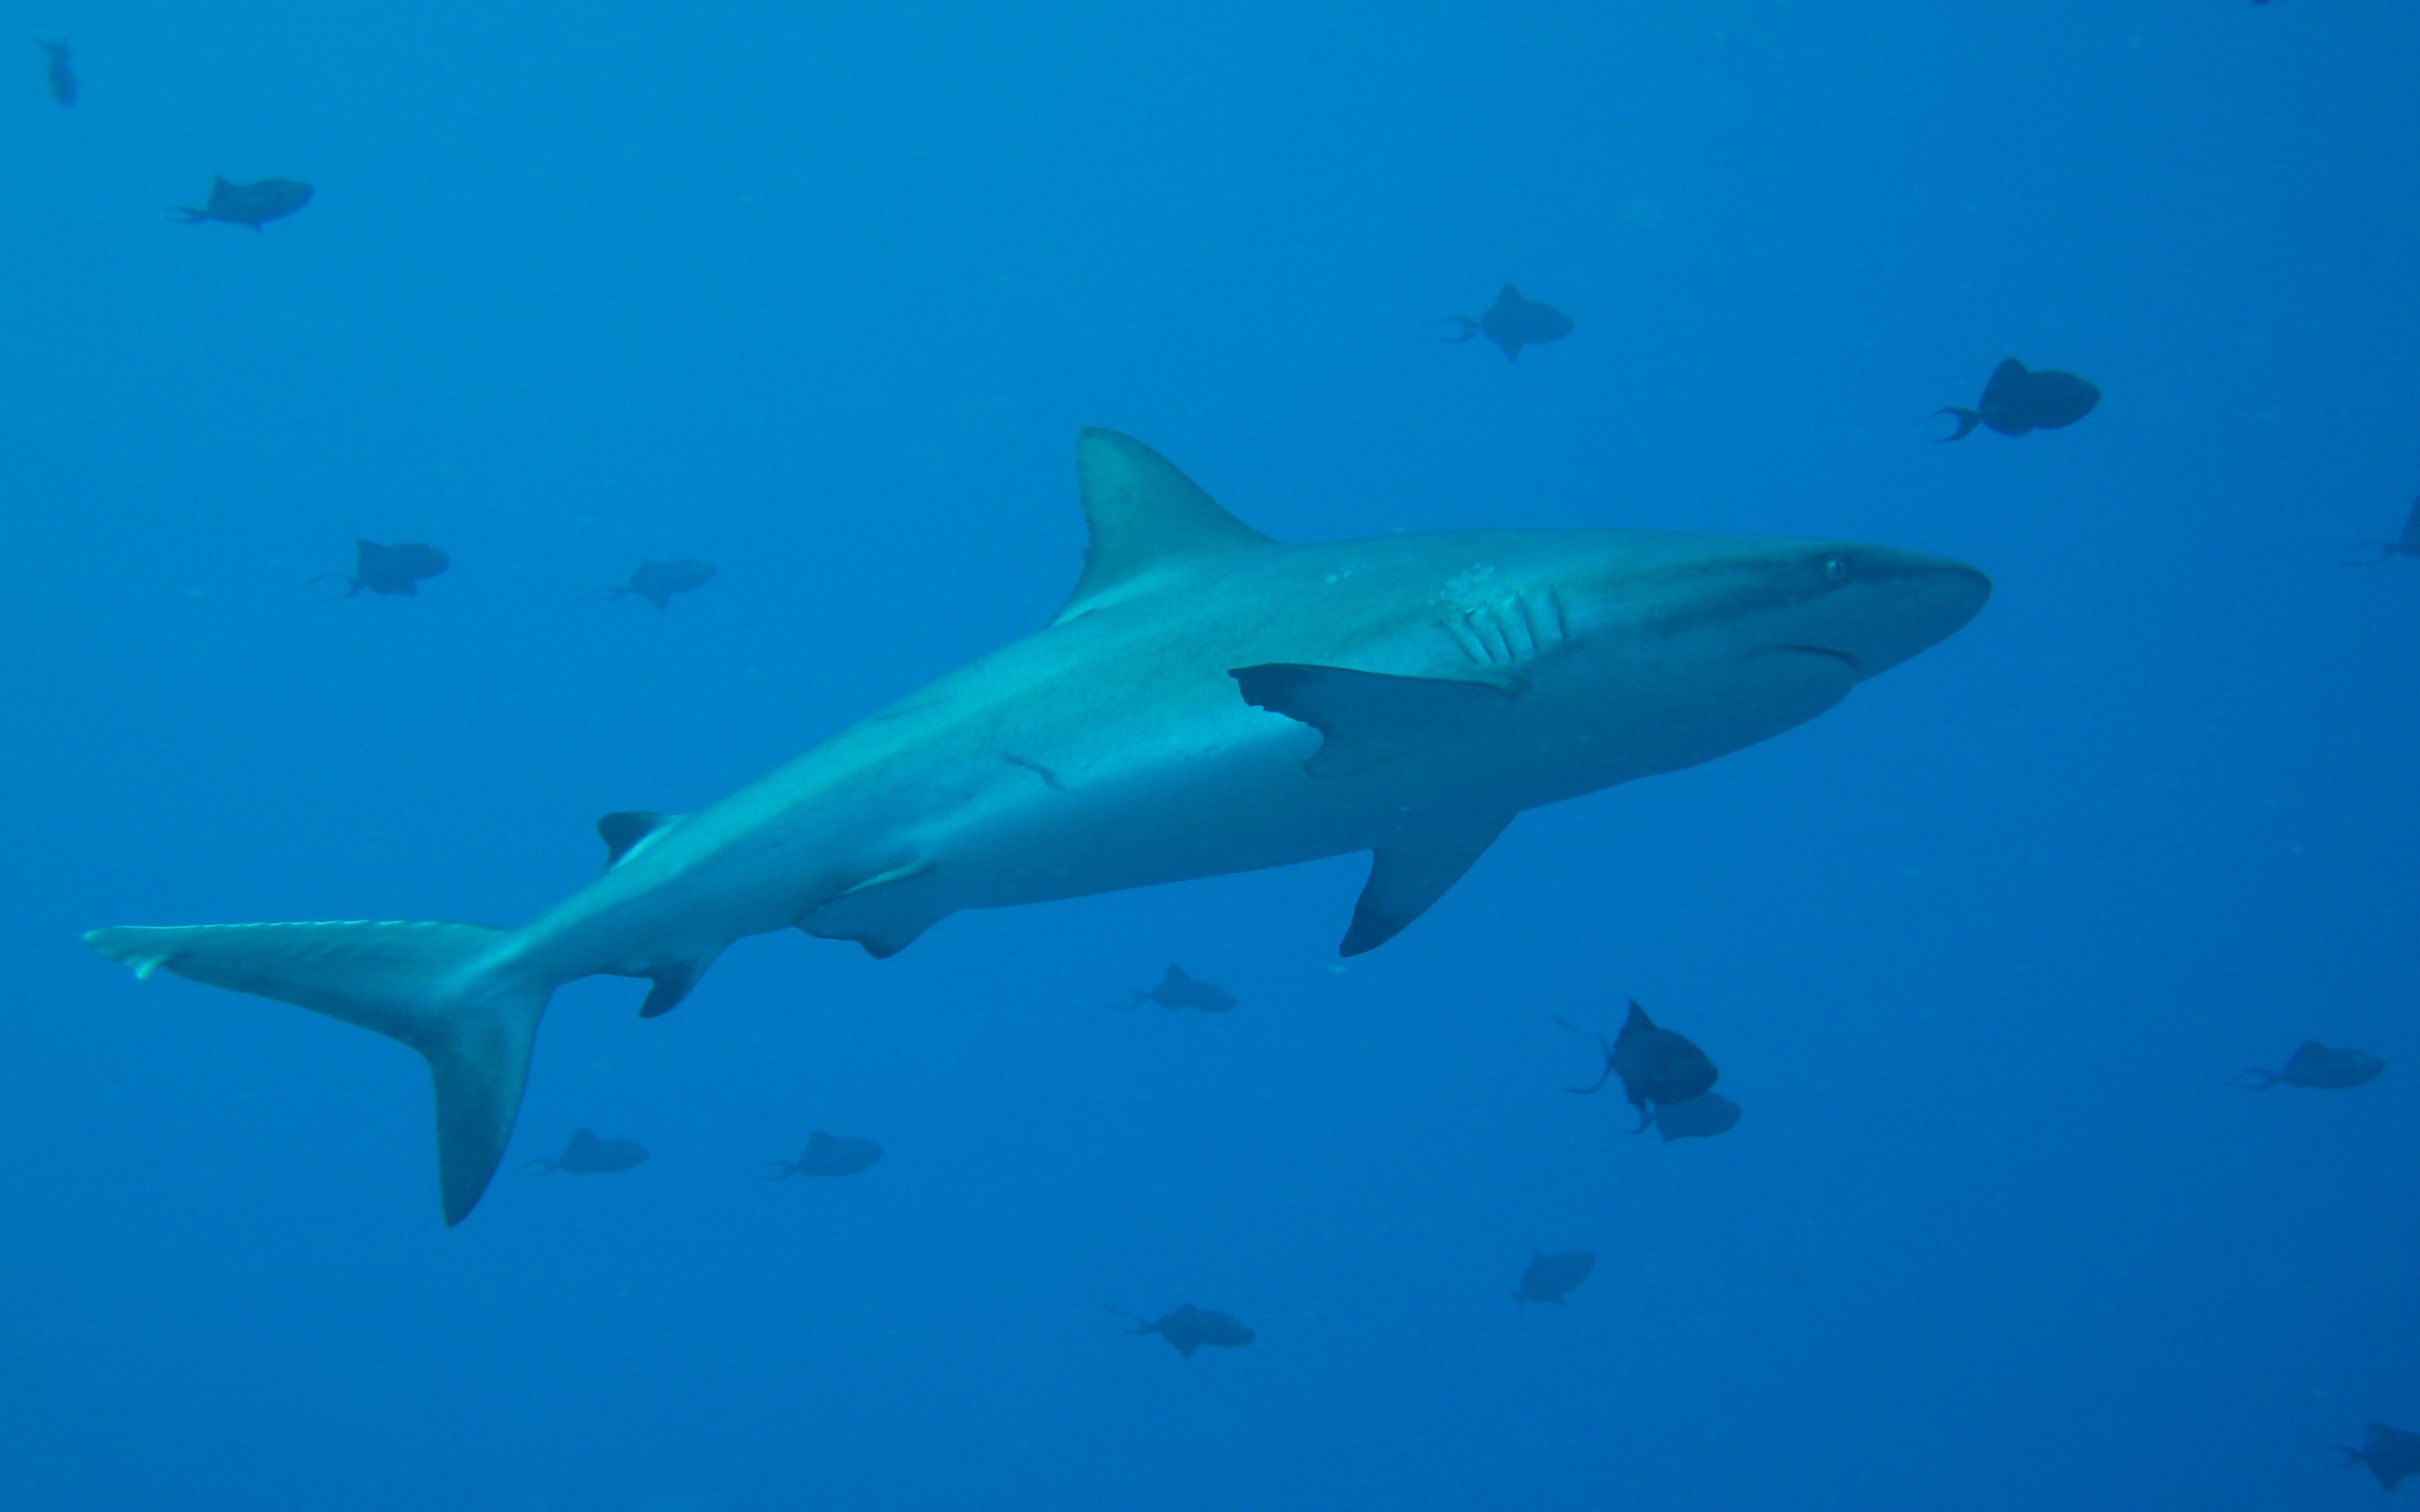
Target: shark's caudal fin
<point>429,985</point>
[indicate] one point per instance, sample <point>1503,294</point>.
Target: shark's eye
<point>1837,568</point>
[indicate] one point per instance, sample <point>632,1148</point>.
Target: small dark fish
<point>2018,400</point>
<point>1513,322</point>
<point>1177,989</point>
<point>1702,1117</point>
<point>2407,546</point>
<point>2316,1065</point>
<point>253,205</point>
<point>1550,1276</point>
<point>61,71</point>
<point>1656,1066</point>
<point>829,1155</point>
<point>1189,1328</point>
<point>394,569</point>
<point>2391,1454</point>
<point>587,1155</point>
<point>658,581</point>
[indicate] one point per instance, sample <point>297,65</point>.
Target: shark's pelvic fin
<point>1140,514</point>
<point>880,913</point>
<point>1367,720</point>
<point>1406,878</point>
<point>622,831</point>
<point>429,985</point>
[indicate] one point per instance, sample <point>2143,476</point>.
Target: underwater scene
<point>1075,756</point>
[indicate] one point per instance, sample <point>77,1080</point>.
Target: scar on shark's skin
<point>1259,704</point>
<point>1049,777</point>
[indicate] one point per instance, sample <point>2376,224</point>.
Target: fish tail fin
<point>187,215</point>
<point>783,1169</point>
<point>442,989</point>
<point>1470,327</point>
<point>1967,421</point>
<point>543,1165</point>
<point>1141,1327</point>
<point>2258,1081</point>
<point>1140,997</point>
<point>2383,548</point>
<point>2352,1456</point>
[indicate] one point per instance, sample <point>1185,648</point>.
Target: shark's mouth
<point>1841,656</point>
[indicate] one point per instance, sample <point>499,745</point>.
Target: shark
<point>1208,701</point>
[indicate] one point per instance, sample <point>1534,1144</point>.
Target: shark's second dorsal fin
<point>623,830</point>
<point>1140,514</point>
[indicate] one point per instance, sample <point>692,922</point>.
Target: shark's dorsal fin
<point>623,830</point>
<point>1141,514</point>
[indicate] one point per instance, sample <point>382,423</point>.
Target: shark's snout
<point>1890,605</point>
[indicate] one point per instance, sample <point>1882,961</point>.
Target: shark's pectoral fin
<point>622,831</point>
<point>1406,878</point>
<point>1367,720</point>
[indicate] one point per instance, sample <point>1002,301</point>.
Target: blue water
<point>821,295</point>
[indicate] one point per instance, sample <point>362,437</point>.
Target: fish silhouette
<point>658,581</point>
<point>2391,1454</point>
<point>1702,1117</point>
<point>394,569</point>
<point>587,1155</point>
<point>1189,1328</point>
<point>2318,1066</point>
<point>2407,546</point>
<point>2018,400</point>
<point>1550,1276</point>
<point>254,204</point>
<point>1656,1066</point>
<point>1177,989</point>
<point>1513,322</point>
<point>829,1155</point>
<point>61,70</point>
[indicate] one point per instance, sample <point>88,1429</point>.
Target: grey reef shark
<point>1208,700</point>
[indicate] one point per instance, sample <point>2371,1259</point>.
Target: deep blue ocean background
<point>822,295</point>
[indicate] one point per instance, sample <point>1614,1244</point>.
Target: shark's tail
<point>1470,327</point>
<point>2258,1081</point>
<point>439,988</point>
<point>187,215</point>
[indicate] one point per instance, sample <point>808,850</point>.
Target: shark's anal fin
<point>622,831</point>
<point>1367,720</point>
<point>1406,877</point>
<point>673,982</point>
<point>1140,514</point>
